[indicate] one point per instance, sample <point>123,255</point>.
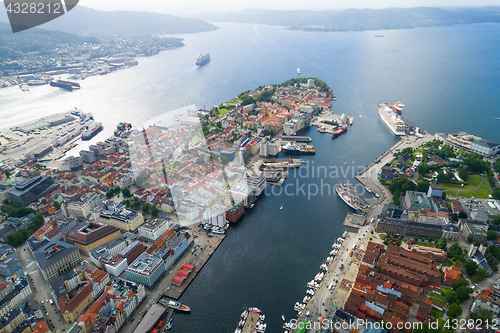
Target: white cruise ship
<point>392,119</point>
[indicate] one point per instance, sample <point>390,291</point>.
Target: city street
<point>42,293</point>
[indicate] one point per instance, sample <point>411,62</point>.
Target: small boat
<point>169,325</point>
<point>299,71</point>
<point>256,310</point>
<point>345,163</point>
<point>281,207</point>
<point>283,317</point>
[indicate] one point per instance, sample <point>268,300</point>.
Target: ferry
<point>67,85</point>
<point>91,131</point>
<point>339,132</point>
<point>169,303</point>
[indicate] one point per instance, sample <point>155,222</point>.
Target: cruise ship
<point>203,59</point>
<point>392,119</point>
<point>67,85</point>
<point>91,131</point>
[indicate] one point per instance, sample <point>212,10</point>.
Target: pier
<point>354,220</point>
<point>296,138</point>
<point>198,260</point>
<point>251,322</point>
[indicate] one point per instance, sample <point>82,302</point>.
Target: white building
<point>214,218</point>
<point>71,163</point>
<point>289,128</point>
<point>152,230</point>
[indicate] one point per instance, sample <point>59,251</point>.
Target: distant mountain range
<point>84,20</point>
<point>358,19</point>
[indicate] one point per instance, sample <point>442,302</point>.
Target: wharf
<point>283,162</point>
<point>354,220</point>
<point>296,138</point>
<point>199,259</point>
<point>250,323</point>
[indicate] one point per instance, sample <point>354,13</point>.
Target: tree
<point>496,193</point>
<point>460,283</point>
<point>443,196</point>
<point>154,211</point>
<point>397,202</point>
<point>463,293</point>
<point>469,240</point>
<point>423,186</point>
<point>441,243</point>
<point>482,314</point>
<point>7,174</point>
<point>145,208</point>
<point>109,194</point>
<point>463,173</point>
<point>126,192</point>
<point>454,310</point>
<point>43,201</point>
<point>452,298</point>
<point>471,268</point>
<point>56,205</point>
<point>491,235</point>
<point>224,160</point>
<point>496,220</point>
<point>454,217</point>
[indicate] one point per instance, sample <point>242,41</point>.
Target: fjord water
<point>448,78</point>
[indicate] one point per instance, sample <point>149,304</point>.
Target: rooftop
<point>144,264</point>
<point>52,252</point>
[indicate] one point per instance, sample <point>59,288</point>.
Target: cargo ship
<point>398,107</point>
<point>67,85</point>
<point>292,148</point>
<point>392,119</point>
<point>349,195</point>
<point>91,131</point>
<point>174,305</point>
<point>203,59</point>
<point>339,132</point>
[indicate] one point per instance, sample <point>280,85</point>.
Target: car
<point>474,286</point>
<point>42,302</point>
<point>28,260</point>
<point>24,250</point>
<point>132,320</point>
<point>59,319</point>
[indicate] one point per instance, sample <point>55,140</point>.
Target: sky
<point>192,6</point>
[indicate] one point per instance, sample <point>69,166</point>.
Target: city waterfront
<point>269,255</point>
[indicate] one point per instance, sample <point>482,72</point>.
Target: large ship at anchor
<point>392,119</point>
<point>350,196</point>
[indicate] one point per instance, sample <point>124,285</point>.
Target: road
<point>42,293</point>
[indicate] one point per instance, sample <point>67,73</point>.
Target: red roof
<point>177,280</point>
<point>187,267</point>
<point>182,273</point>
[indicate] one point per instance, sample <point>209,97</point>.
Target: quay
<point>250,323</point>
<point>283,162</point>
<point>199,259</point>
<point>354,220</point>
<point>296,138</point>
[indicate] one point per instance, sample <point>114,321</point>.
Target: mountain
<point>84,20</point>
<point>359,19</point>
<point>19,44</point>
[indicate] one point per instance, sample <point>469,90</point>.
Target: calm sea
<point>448,78</point>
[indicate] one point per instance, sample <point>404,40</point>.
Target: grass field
<point>440,301</point>
<point>441,297</point>
<point>472,182</point>
<point>446,291</point>
<point>424,244</point>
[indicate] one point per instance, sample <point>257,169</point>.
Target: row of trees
<point>14,209</point>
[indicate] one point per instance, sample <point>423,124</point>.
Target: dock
<point>250,323</point>
<point>283,162</point>
<point>296,138</point>
<point>198,260</point>
<point>354,220</point>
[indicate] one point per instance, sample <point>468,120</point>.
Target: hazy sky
<point>167,6</point>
